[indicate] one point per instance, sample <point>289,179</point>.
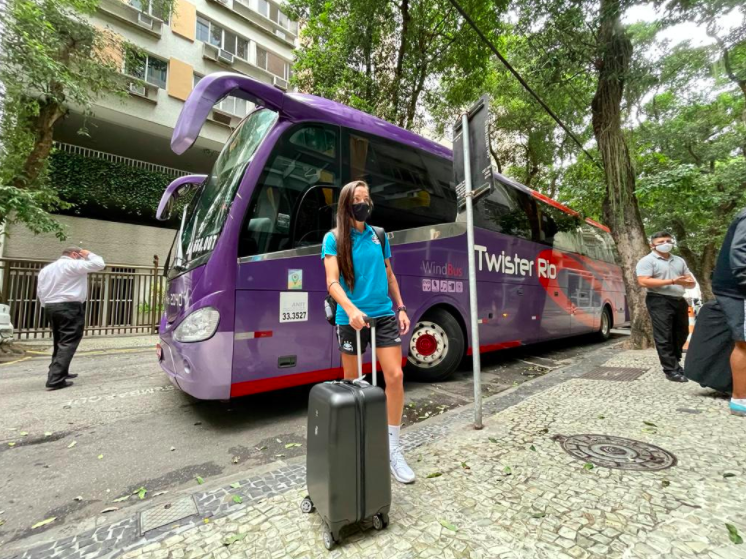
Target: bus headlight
<point>198,326</point>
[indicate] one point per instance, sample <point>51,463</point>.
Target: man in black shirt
<point>729,286</point>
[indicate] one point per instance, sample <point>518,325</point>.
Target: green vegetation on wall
<point>107,190</point>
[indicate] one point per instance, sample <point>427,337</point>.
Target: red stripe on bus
<point>495,347</point>
<point>288,381</point>
<point>554,203</point>
<point>601,226</point>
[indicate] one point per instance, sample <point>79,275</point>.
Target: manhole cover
<point>619,374</point>
<point>166,514</point>
<point>615,452</point>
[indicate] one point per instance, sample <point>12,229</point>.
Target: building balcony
<point>132,16</point>
<point>287,36</point>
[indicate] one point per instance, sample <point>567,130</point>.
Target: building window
<point>272,63</point>
<point>209,32</point>
<point>150,8</point>
<point>147,68</point>
<point>262,6</point>
<point>231,105</point>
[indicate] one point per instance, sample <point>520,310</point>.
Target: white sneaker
<point>400,469</point>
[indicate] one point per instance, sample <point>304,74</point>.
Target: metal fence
<point>136,163</point>
<point>121,299</point>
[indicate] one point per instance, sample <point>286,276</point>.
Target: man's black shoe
<point>60,385</point>
<point>676,377</point>
<point>73,375</point>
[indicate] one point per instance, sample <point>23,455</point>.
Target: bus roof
<point>301,106</point>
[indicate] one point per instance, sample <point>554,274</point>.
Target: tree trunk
<point>620,205</point>
<point>709,257</point>
<point>42,126</point>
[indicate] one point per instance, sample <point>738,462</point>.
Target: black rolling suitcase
<point>347,465</point>
<point>708,356</point>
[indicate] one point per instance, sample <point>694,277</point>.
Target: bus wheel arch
<point>437,344</point>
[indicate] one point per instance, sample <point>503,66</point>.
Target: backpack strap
<point>381,234</point>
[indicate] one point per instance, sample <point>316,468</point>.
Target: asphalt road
<point>70,454</point>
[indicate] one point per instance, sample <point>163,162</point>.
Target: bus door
<point>282,337</point>
<point>585,314</point>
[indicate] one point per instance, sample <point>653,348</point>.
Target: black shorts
<point>387,335</point>
<point>734,310</point>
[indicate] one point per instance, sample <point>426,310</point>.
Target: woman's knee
<point>395,377</point>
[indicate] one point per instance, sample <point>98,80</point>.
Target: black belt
<point>654,294</point>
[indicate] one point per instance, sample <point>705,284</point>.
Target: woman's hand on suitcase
<point>357,320</point>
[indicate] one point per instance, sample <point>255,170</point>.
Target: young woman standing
<point>359,278</point>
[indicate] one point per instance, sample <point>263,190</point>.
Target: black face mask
<point>361,211</point>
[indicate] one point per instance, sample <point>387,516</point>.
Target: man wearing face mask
<point>666,278</point>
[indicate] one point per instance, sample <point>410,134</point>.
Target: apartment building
<point>251,37</point>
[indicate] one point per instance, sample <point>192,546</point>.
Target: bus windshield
<point>209,209</point>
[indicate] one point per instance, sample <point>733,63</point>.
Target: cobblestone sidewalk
<point>513,491</point>
<point>98,343</point>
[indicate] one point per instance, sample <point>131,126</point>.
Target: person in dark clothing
<point>63,290</point>
<point>729,287</point>
<point>666,278</point>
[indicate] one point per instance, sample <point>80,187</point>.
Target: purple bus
<point>244,309</point>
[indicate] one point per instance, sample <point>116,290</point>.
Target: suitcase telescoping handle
<point>372,323</point>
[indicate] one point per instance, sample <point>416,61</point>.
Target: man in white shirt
<point>63,290</point>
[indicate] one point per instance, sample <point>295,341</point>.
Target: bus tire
<point>604,332</point>
<point>436,347</point>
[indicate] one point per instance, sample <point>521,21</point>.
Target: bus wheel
<point>605,332</point>
<point>436,347</point>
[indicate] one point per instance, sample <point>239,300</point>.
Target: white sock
<point>738,402</point>
<point>393,438</point>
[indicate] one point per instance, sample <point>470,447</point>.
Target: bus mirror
<point>174,191</point>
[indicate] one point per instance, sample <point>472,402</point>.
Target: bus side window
<point>302,160</point>
<point>509,211</point>
<point>409,188</point>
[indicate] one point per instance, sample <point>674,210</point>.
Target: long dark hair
<point>345,222</point>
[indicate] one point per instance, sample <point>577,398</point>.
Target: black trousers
<point>670,317</point>
<point>68,321</point>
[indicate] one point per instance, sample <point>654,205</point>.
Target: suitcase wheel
<point>380,521</point>
<point>306,506</point>
<point>328,539</point>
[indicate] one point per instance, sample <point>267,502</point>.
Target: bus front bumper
<point>201,369</point>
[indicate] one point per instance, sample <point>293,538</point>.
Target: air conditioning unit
<point>280,83</point>
<point>225,56</point>
<point>137,89</point>
<point>145,21</point>
<point>222,118</point>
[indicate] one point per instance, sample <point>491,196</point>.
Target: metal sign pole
<point>477,365</point>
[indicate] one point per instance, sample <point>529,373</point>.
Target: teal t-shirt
<point>371,293</point>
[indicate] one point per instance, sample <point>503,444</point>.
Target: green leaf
<point>538,514</point>
<point>651,430</point>
<point>100,456</point>
<point>235,485</point>
<point>532,447</point>
<point>448,526</point>
<point>507,471</point>
<point>729,474</point>
<point>650,423</point>
<point>465,466</point>
<point>433,475</point>
<point>199,479</point>
<point>588,466</point>
<point>72,444</point>
<point>493,440</point>
<point>11,444</point>
<point>237,499</point>
<point>602,417</point>
<point>121,499</point>
<point>665,483</point>
<point>24,434</point>
<point>43,523</point>
<point>733,534</point>
<point>142,492</point>
<point>232,539</point>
